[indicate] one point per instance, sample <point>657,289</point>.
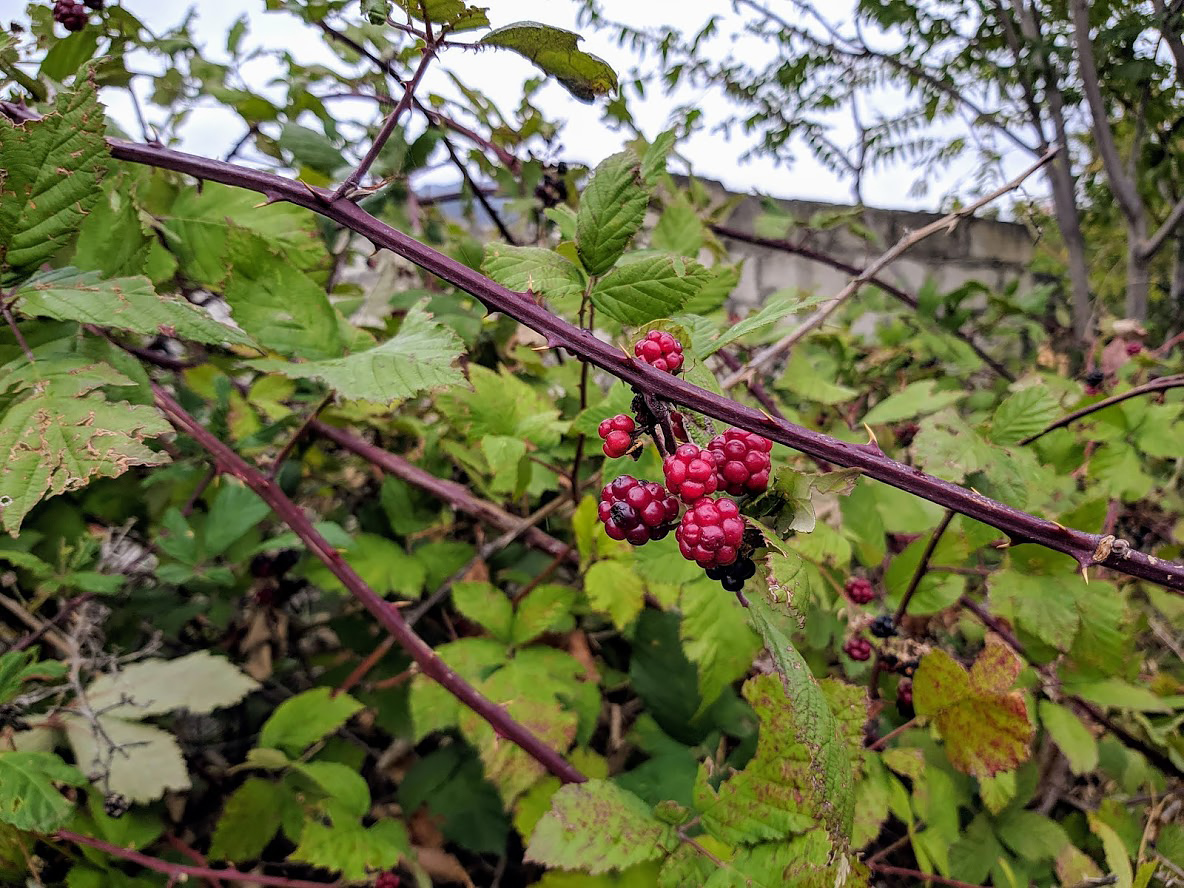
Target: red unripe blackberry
<point>690,473</point>
<point>711,532</point>
<point>904,693</point>
<point>860,590</point>
<point>742,460</point>
<point>617,433</point>
<point>70,15</point>
<point>1133,348</point>
<point>386,880</point>
<point>636,511</point>
<point>858,648</point>
<point>660,350</point>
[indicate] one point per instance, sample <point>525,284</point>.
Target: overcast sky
<point>211,131</point>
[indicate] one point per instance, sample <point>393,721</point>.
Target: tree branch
<point>1171,36</point>
<point>1152,245</point>
<point>1157,385</point>
<point>519,306</point>
<point>430,664</point>
<point>1125,192</point>
<point>923,565</point>
<point>945,223</point>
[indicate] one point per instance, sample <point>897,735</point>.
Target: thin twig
<point>1156,385</point>
<point>787,246</point>
<point>894,733</point>
<point>923,565</point>
<point>946,223</point>
<point>16,331</point>
<point>180,870</point>
<point>430,664</point>
<point>60,617</point>
<point>300,432</point>
<point>919,876</point>
<point>478,192</point>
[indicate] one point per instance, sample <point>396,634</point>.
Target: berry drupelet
<point>735,575</point>
<point>858,648</point>
<point>617,432</point>
<point>70,15</point>
<point>636,511</point>
<point>660,350</point>
<point>742,461</point>
<point>883,627</point>
<point>690,473</point>
<point>711,532</point>
<point>860,590</point>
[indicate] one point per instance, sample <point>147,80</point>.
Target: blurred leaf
<point>554,51</point>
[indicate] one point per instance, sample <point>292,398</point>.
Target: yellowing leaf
<point>198,682</point>
<point>555,51</point>
<point>144,764</point>
<point>985,724</point>
<point>597,827</point>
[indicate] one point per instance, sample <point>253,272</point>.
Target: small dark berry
<point>96,5</point>
<point>386,880</point>
<point>70,15</point>
<point>860,590</point>
<point>742,461</point>
<point>660,350</point>
<point>883,627</point>
<point>904,693</point>
<point>858,648</point>
<point>636,511</point>
<point>1095,378</point>
<point>690,473</point>
<point>711,532</point>
<point>732,583</point>
<point>908,668</point>
<point>1134,348</point>
<point>617,433</point>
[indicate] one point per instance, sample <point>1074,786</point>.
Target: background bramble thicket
<point>322,595</point>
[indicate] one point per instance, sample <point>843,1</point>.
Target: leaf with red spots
<point>984,723</point>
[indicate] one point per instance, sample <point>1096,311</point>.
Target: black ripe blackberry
<point>883,627</point>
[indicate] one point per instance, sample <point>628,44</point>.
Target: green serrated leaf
<point>597,827</point>
<point>1023,413</point>
<point>612,208</point>
<point>150,765</point>
<point>777,306</point>
<point>310,148</point>
<point>345,846</point>
<point>555,51</point>
<point>534,270</point>
<point>418,358</point>
<point>302,720</point>
<point>130,304</point>
<point>716,638</point>
<point>485,605</point>
<point>18,667</point>
<point>250,818</point>
<point>28,798</point>
<point>918,399</point>
<point>648,289</point>
<point>548,608</point>
<point>51,173</point>
<point>615,588</point>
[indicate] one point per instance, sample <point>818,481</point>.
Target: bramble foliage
<point>189,669</point>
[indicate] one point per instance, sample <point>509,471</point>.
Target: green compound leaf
<point>810,733</point>
<point>198,682</point>
<point>457,14</point>
<point>345,846</point>
<point>984,723</point>
<point>130,304</point>
<point>612,208</point>
<point>28,798</point>
<point>249,820</point>
<point>302,720</point>
<point>648,289</point>
<point>556,52</point>
<point>716,638</point>
<point>60,433</point>
<point>615,588</point>
<point>533,270</point>
<point>417,358</point>
<point>597,827</point>
<point>49,178</point>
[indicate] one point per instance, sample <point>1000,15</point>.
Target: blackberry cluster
<point>883,627</point>
<point>742,460</point>
<point>860,590</point>
<point>660,350</point>
<point>1134,348</point>
<point>636,511</point>
<point>71,15</point>
<point>711,532</point>
<point>690,473</point>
